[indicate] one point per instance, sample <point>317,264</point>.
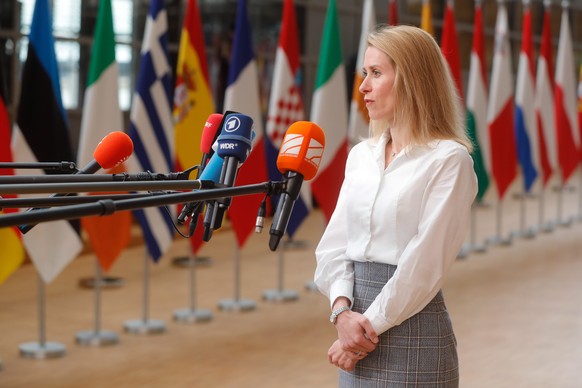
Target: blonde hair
<point>426,98</point>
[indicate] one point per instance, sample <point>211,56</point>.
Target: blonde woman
<point>400,221</point>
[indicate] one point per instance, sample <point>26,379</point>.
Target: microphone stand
<point>108,206</point>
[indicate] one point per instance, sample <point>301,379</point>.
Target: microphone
<point>234,145</point>
<point>299,157</point>
<point>114,149</point>
<point>208,135</point>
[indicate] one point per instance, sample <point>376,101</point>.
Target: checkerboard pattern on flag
<point>101,115</point>
<point>525,121</point>
<point>500,109</point>
<point>242,95</point>
<point>286,107</point>
<point>544,102</point>
<point>359,119</point>
<point>477,106</point>
<point>152,129</point>
<point>12,253</point>
<point>329,111</point>
<point>565,102</point>
<point>192,98</point>
<point>41,134</point>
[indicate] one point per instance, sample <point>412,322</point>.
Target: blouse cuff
<point>341,288</point>
<point>379,323</point>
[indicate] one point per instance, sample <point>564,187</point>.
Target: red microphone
<point>298,160</point>
<point>112,150</point>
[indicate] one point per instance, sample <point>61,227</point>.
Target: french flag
<point>242,95</point>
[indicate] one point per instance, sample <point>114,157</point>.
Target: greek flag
<point>152,129</point>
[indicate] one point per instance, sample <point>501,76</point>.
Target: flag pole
<point>236,304</point>
<point>42,349</point>
<point>523,231</point>
<point>472,246</point>
<point>145,325</point>
<point>546,227</point>
<point>97,336</point>
<point>498,239</point>
<point>280,294</point>
<point>192,314</point>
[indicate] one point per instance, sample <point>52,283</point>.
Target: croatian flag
<point>286,107</point>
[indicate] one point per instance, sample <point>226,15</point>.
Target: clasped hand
<point>356,338</point>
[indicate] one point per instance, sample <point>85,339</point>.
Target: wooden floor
<point>517,312</point>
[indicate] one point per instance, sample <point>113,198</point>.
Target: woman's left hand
<point>343,359</point>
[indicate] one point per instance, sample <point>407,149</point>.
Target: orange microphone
<point>112,150</point>
<point>298,160</point>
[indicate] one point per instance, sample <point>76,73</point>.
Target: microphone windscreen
<point>235,137</point>
<point>212,170</point>
<point>209,134</point>
<point>113,149</point>
<point>301,149</point>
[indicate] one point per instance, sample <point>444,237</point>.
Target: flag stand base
<point>140,326</point>
<point>101,338</point>
<point>192,315</point>
<point>498,240</point>
<point>185,261</point>
<point>310,286</point>
<point>106,282</point>
<point>280,295</point>
<point>237,305</point>
<point>42,351</point>
<point>548,227</point>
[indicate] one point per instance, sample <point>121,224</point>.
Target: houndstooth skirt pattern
<point>420,352</point>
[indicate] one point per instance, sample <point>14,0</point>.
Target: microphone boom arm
<point>108,206</point>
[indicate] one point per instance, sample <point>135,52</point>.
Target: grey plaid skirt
<point>420,352</point>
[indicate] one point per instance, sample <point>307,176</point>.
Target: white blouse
<point>413,214</point>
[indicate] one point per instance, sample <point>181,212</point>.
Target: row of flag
<point>166,125</point>
<point>530,124</point>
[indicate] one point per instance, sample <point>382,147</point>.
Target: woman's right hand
<point>355,333</point>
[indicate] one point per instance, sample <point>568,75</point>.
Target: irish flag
<point>359,120</point>
<point>329,111</point>
<point>477,106</point>
<point>102,115</point>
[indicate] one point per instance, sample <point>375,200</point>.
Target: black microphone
<point>112,150</point>
<point>299,158</point>
<point>211,128</point>
<point>234,145</point>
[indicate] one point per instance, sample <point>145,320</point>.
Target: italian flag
<point>101,115</point>
<point>329,111</point>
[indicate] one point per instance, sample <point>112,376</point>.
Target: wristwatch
<point>335,313</point>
